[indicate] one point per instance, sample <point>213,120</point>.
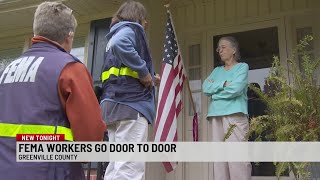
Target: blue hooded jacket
<point>127,47</point>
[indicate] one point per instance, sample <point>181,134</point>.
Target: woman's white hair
<point>234,44</point>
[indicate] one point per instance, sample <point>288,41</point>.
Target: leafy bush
<point>293,105</point>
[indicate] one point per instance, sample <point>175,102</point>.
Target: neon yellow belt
<point>11,130</point>
<point>123,71</point>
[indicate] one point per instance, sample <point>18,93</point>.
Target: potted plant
<point>293,106</point>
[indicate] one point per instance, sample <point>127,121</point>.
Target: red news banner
<point>40,137</point>
<point>41,147</point>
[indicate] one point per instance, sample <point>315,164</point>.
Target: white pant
<point>220,126</point>
<point>127,131</point>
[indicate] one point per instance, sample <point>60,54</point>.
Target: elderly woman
<point>227,88</point>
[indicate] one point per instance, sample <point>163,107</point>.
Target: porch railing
<point>99,167</point>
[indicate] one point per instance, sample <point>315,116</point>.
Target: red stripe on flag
<point>169,120</point>
<point>163,99</point>
<point>179,107</point>
<point>171,115</point>
<point>175,136</point>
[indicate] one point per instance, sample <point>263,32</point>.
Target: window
<point>194,69</point>
<point>194,62</point>
<point>257,47</point>
<point>78,53</point>
<point>78,48</point>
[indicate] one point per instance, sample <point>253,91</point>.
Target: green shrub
<point>293,105</point>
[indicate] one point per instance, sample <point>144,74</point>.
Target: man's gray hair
<point>54,21</point>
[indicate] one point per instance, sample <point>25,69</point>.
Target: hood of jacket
<point>118,25</point>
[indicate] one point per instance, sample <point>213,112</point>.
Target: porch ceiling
<point>16,16</point>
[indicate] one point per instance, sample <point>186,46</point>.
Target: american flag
<point>169,100</point>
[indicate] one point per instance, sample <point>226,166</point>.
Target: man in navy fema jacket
<point>47,90</point>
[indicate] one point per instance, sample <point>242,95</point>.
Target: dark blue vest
<point>29,95</point>
<point>124,87</point>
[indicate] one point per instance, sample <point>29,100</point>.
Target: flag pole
<point>190,94</point>
<point>167,5</point>
<point>195,117</point>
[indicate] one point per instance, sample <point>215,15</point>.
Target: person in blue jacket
<point>227,88</point>
<point>128,78</point>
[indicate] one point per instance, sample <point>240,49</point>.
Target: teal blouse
<point>232,98</point>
